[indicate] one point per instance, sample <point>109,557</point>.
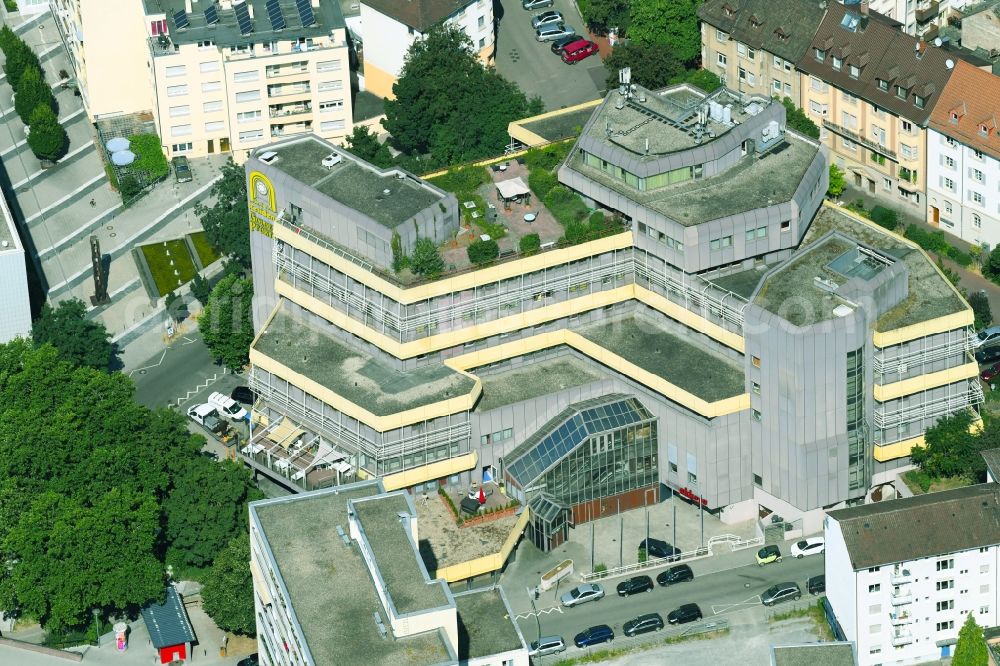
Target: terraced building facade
<point>736,341</point>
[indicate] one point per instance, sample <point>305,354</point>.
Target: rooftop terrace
<point>358,187</point>
<point>640,340</point>
<point>353,374</point>
<point>755,182</point>
<point>396,556</point>
<point>533,380</point>
<point>8,232</point>
<point>329,585</point>
<point>483,626</point>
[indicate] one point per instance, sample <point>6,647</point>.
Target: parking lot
<point>534,67</point>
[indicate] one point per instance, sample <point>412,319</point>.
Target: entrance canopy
<point>512,189</point>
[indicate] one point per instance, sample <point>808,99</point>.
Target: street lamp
<point>97,627</point>
<point>538,621</point>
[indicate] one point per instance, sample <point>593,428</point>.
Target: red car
<point>989,373</point>
<point>578,50</point>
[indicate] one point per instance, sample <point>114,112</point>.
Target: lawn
<point>159,264</point>
<point>206,253</point>
<point>919,482</point>
<point>814,612</point>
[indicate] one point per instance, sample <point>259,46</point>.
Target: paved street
<point>534,67</point>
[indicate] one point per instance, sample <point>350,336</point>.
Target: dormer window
<point>919,102</point>
<point>984,129</point>
<point>883,85</point>
<point>837,63</point>
<point>901,92</point>
<point>820,55</point>
<point>781,34</point>
<point>954,117</point>
<point>755,22</point>
<point>728,9</point>
<point>854,71</point>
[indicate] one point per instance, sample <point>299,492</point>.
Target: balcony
<point>901,638</point>
<point>286,110</point>
<point>857,138</point>
<point>900,576</point>
<point>286,90</point>
<point>900,618</point>
<point>928,10</point>
<point>286,70</point>
<point>970,395</point>
<point>290,130</point>
<point>900,597</point>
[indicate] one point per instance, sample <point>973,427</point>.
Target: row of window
<point>496,437</point>
<point>669,241</point>
<point>978,154</point>
<point>854,71</point>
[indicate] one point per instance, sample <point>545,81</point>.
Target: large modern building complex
<point>338,579</point>
<point>14,301</point>
<point>216,76</point>
<point>734,340</point>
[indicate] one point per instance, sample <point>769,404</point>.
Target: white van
<point>227,406</point>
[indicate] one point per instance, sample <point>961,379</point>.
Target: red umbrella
<point>482,496</point>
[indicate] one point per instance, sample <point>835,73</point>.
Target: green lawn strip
<point>206,253</point>
<point>160,268</point>
<point>920,482</point>
<point>813,612</point>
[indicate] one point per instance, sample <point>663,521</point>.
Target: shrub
<point>129,187</point>
<point>399,258</point>
<point>547,158</point>
<point>149,158</point>
<point>201,288</point>
<point>963,259</point>
<point>541,182</point>
<point>798,120</point>
<point>980,305</point>
<point>566,206</point>
<point>11,5</point>
<point>932,241</point>
<point>884,217</point>
<point>32,92</point>
<point>426,260</point>
<point>47,139</point>
<point>20,58</point>
<point>529,244</point>
<point>461,180</point>
<point>600,568</point>
<point>482,252</point>
<point>703,79</point>
<point>837,182</point>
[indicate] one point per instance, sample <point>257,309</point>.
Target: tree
<point>225,322</point>
<point>980,303</point>
<point>837,182</point>
<point>667,23</point>
<point>20,58</point>
<point>950,449</point>
<point>206,509</point>
<point>365,144</point>
<point>798,120</point>
<point>47,138</point>
<point>8,39</point>
<point>652,65</point>
<point>426,259</point>
<point>226,223</point>
<point>483,252</point>
<point>32,92</point>
<point>228,589</point>
<point>399,258</point>
<point>448,104</point>
<point>992,266</point>
<point>201,288</point>
<point>80,341</point>
<point>971,647</point>
<point>602,16</point>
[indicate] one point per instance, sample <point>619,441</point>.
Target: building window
<point>755,388</point>
<point>158,27</point>
<point>721,59</point>
<point>178,111</point>
<point>482,42</point>
<point>947,207</point>
<point>206,44</point>
<point>977,175</point>
<point>978,154</point>
<point>331,125</point>
<point>945,585</point>
<point>837,63</point>
<point>776,85</point>
<point>901,92</point>
<point>248,96</point>
<point>944,565</point>
<point>872,589</point>
<point>950,141</point>
<point>875,609</point>
<point>977,222</point>
<point>215,126</point>
<point>720,243</point>
<point>909,152</point>
<point>252,135</point>
<point>482,22</point>
<point>874,628</point>
<point>328,65</point>
<point>176,70</point>
<point>948,183</point>
<point>755,361</point>
<point>786,225</point>
<point>182,147</point>
<point>883,85</point>
<point>886,183</point>
<point>944,626</point>
<point>758,480</point>
<point>243,77</point>
<point>919,102</point>
<point>180,130</point>
<point>755,415</point>
<point>853,71</point>
<point>248,116</point>
<point>177,91</point>
<point>977,198</point>
<point>211,86</point>
<point>907,126</point>
<point>819,54</point>
<point>208,66</point>
<point>327,86</point>
<point>949,162</point>
<point>333,105</point>
<point>692,478</point>
<point>721,36</point>
<point>209,107</point>
<point>788,89</point>
<point>945,605</point>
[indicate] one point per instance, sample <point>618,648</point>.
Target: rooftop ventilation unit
<point>346,539</point>
<point>269,157</point>
<point>332,160</point>
<point>825,285</point>
<point>843,310</point>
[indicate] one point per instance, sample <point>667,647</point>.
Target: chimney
<point>864,7</point>
<point>919,48</point>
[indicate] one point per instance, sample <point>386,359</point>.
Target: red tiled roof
<point>972,99</point>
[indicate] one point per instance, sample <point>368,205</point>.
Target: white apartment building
<point>916,16</point>
<point>15,307</point>
<point>389,27</point>
<point>222,76</point>
<point>338,579</point>
<point>963,157</point>
<point>902,575</point>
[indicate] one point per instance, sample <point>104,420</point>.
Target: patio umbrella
<point>118,143</point>
<point>123,158</point>
<point>482,496</point>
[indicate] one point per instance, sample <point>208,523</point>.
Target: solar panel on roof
<point>181,19</point>
<point>211,15</point>
<point>243,18</point>
<point>274,13</point>
<point>305,12</point>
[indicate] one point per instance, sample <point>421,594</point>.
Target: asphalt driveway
<point>534,67</point>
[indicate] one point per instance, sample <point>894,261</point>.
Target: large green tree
<point>47,138</point>
<point>668,23</point>
<point>79,340</point>
<point>206,508</point>
<point>32,92</point>
<point>652,66</point>
<point>605,15</point>
<point>971,647</point>
<point>225,322</point>
<point>365,144</point>
<point>228,589</point>
<point>426,259</point>
<point>952,447</point>
<point>19,59</point>
<point>226,223</point>
<point>448,104</point>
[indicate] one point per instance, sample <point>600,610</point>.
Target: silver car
<point>536,4</point>
<point>553,31</point>
<point>581,594</point>
<point>546,18</point>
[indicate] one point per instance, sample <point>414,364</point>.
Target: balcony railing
<point>286,111</point>
<point>927,11</point>
<point>884,364</point>
<point>272,72</point>
<point>901,597</point>
<point>290,130</point>
<point>900,618</point>
<point>900,576</point>
<point>969,396</point>
<point>857,138</point>
<point>283,91</point>
<point>901,638</point>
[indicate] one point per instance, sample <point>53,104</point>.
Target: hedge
<point>483,252</point>
<point>149,157</point>
<point>566,206</point>
<point>530,243</point>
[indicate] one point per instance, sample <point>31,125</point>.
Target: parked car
<point>677,574</point>
<point>182,170</point>
<point>546,18</point>
<point>601,633</point>
<point>227,406</point>
<point>581,594</point>
<point>558,44</point>
<point>547,645</point>
<point>816,585</point>
<point>768,554</point>
<point>536,4</point>
<point>635,586</point>
<point>252,660</point>
<point>989,373</point>
<point>684,614</point>
<point>578,50</point>
<point>657,548</point>
<point>986,336</point>
<point>810,546</point>
<point>988,354</point>
<point>244,394</point>
<point>552,31</point>
<point>780,592</point>
<point>643,624</point>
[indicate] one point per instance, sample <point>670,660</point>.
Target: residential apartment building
<point>920,18</point>
<point>14,302</point>
<point>338,579</point>
<point>981,28</point>
<point>871,89</point>
<point>755,49</point>
<point>728,342</point>
<point>217,76</point>
<point>903,574</point>
<point>963,157</point>
<point>389,28</point>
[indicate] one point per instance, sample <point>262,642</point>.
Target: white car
<point>545,18</point>
<point>552,31</point>
<point>810,546</point>
<point>581,594</point>
<point>986,336</point>
<point>227,406</point>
